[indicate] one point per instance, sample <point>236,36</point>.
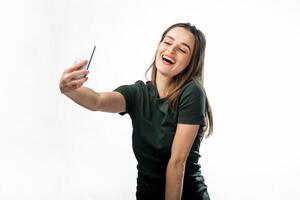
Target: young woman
<point>170,115</point>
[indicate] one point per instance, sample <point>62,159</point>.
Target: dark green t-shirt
<point>154,125</point>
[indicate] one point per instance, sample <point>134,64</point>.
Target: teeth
<point>169,59</point>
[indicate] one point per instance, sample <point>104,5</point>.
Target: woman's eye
<point>183,51</point>
<point>167,43</point>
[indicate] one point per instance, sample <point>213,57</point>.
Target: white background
<point>51,148</point>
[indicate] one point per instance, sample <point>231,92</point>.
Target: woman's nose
<point>171,49</point>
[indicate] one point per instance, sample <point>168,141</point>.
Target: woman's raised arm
<point>86,97</point>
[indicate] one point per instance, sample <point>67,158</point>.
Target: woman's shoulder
<point>191,92</point>
<point>141,83</point>
<point>193,86</point>
<point>137,83</point>
<point>142,86</point>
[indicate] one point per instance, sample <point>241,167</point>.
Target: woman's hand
<point>68,81</point>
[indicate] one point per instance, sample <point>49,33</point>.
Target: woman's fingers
<point>72,75</point>
<point>76,66</point>
<point>72,85</point>
<point>69,80</point>
<point>77,83</point>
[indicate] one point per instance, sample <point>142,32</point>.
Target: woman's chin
<point>165,72</point>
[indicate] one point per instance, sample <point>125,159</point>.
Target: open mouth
<point>168,59</point>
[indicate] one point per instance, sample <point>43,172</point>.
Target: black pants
<point>154,189</point>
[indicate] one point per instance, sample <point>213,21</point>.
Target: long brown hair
<point>194,71</point>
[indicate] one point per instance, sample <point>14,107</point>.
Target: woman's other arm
<point>181,146</point>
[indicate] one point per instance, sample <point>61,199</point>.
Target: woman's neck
<point>162,83</point>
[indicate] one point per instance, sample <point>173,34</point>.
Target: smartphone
<point>87,65</point>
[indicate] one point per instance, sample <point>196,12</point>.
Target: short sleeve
<point>191,108</point>
<point>129,92</point>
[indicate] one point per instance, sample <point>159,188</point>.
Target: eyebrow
<point>181,42</point>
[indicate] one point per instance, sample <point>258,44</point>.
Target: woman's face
<point>174,52</point>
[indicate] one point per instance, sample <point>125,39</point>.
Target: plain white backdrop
<point>51,148</point>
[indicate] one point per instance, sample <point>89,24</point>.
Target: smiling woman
<point>177,47</point>
<point>170,115</point>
